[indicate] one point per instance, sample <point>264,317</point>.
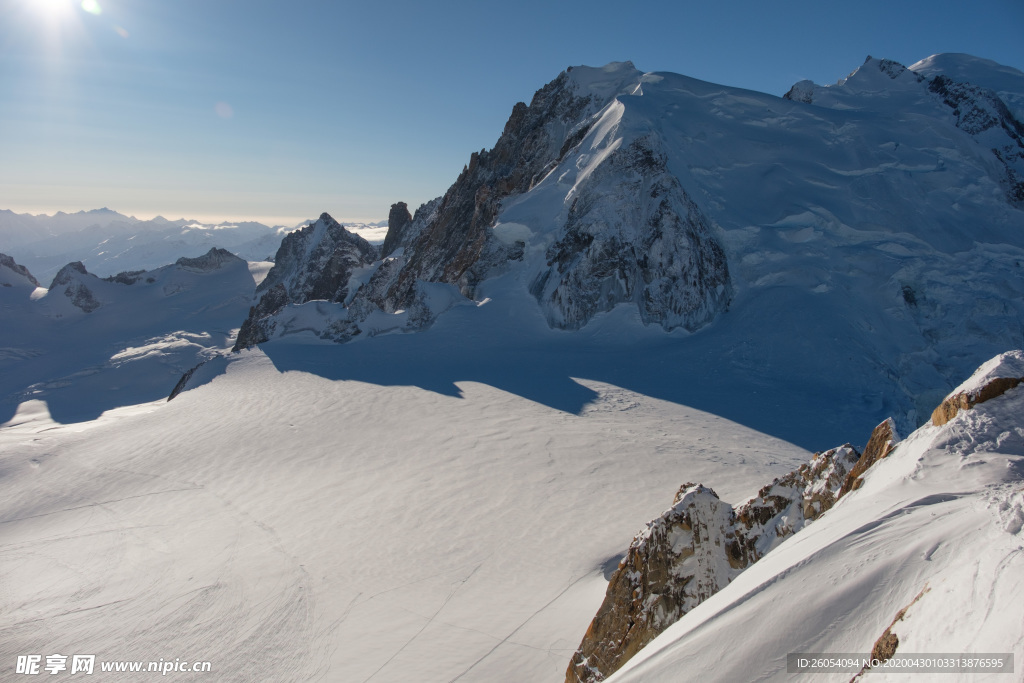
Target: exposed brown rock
<point>949,408</point>
<point>885,647</point>
<point>695,549</point>
<point>883,439</point>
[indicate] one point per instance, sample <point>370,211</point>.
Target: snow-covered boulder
<point>994,378</point>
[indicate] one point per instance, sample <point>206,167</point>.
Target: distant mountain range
<point>108,242</point>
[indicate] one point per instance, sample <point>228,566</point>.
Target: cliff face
<point>633,234</point>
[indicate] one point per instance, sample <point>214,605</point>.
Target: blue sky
<point>277,111</point>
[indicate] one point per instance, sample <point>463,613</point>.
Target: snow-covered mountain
<point>649,280</point>
<point>88,344</point>
<point>880,216</point>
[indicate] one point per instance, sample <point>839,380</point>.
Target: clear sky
<point>278,111</point>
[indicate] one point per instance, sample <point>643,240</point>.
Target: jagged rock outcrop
<point>802,91</point>
<point>982,114</point>
<point>399,219</point>
<point>883,439</point>
<point>128,277</point>
<point>633,234</point>
<point>183,382</point>
<point>993,379</point>
<point>701,544</point>
<point>8,262</point>
<point>455,247</point>
<point>695,549</point>
<point>73,279</point>
<point>317,262</point>
<point>211,260</point>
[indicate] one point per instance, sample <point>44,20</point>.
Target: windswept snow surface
<point>289,526</point>
<point>942,514</point>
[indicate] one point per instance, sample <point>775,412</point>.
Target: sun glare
<point>52,8</point>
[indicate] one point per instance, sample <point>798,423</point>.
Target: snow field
<point>315,529</point>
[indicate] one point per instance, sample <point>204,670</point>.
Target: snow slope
<point>293,527</point>
<point>942,515</point>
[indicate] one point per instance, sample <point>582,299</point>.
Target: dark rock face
<point>694,550</point>
<point>890,68</point>
<point>212,260</point>
<point>9,262</point>
<point>314,263</point>
<point>450,246</point>
<point>982,114</point>
<point>128,277</point>
<point>256,328</point>
<point>71,278</point>
<point>633,234</point>
<point>801,92</point>
<point>398,220</point>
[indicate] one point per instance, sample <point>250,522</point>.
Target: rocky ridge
<point>701,543</point>
<point>83,289</point>
<point>211,260</point>
<point>19,270</point>
<point>696,548</point>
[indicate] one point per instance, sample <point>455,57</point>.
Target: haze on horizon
<point>272,112</point>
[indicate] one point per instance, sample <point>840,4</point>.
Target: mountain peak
<point>605,82</point>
